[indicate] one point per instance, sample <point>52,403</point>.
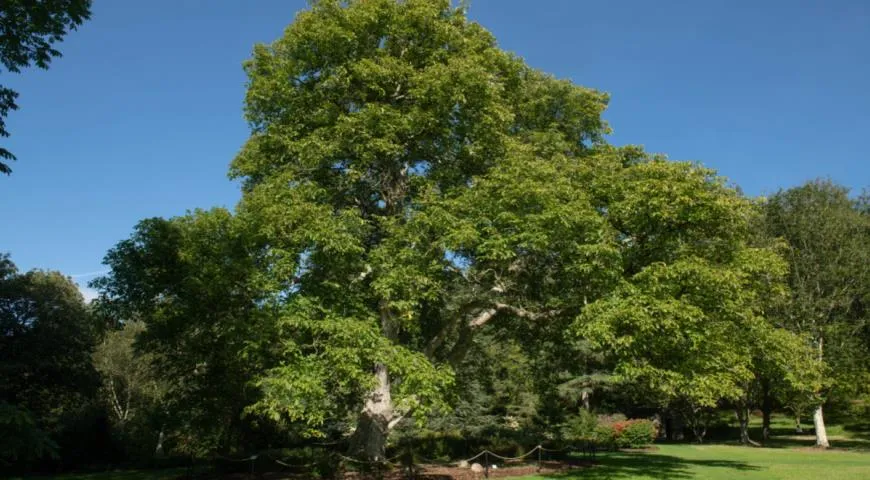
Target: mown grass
<point>723,462</point>
<point>786,456</point>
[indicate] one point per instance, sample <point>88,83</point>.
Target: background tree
<point>29,29</point>
<point>693,291</point>
<point>132,390</point>
<point>46,338</point>
<point>190,281</point>
<point>828,252</point>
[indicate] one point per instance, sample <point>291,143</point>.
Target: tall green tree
<point>828,240</point>
<point>415,185</point>
<point>406,176</point>
<point>29,30</point>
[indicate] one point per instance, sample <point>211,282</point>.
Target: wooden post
<point>540,450</point>
<point>486,463</point>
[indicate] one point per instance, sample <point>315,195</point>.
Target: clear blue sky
<point>143,113</point>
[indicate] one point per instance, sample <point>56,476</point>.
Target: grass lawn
<point>789,458</point>
<point>669,462</point>
<point>725,462</point>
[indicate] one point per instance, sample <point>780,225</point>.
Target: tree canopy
<point>46,375</point>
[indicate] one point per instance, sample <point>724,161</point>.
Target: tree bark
<point>584,399</point>
<point>369,441</point>
<point>677,424</point>
<point>819,424</point>
<point>378,415</point>
<point>797,420</point>
<point>700,431</point>
<point>818,417</point>
<point>158,452</point>
<point>766,409</point>
<point>743,418</point>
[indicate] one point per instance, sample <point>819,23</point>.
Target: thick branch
<point>466,335</point>
<point>523,313</point>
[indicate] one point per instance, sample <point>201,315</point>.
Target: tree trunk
<point>818,417</point>
<point>369,441</point>
<point>797,420</point>
<point>700,431</point>
<point>158,452</point>
<point>765,424</point>
<point>766,410</point>
<point>677,424</point>
<point>584,399</point>
<point>819,424</point>
<point>743,418</point>
<point>661,426</point>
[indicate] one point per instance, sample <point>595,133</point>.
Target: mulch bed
<point>430,472</point>
<point>440,472</point>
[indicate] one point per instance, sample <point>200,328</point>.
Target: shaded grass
<point>167,474</point>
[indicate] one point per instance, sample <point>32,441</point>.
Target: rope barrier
<point>475,457</point>
<point>484,452</point>
<point>386,460</point>
<point>514,458</point>
<point>565,449</point>
<point>407,454</point>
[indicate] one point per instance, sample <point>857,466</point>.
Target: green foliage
<point>190,280</point>
<point>827,236</point>
<point>45,344</point>
<point>28,31</point>
<point>47,380</point>
<point>22,440</point>
<point>132,391</point>
<point>129,379</point>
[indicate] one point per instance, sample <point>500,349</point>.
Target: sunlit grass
<point>724,462</point>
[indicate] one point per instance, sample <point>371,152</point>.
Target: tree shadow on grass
<point>110,475</point>
<point>630,465</point>
<point>857,444</point>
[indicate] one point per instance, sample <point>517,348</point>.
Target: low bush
<point>580,427</point>
<point>635,433</point>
